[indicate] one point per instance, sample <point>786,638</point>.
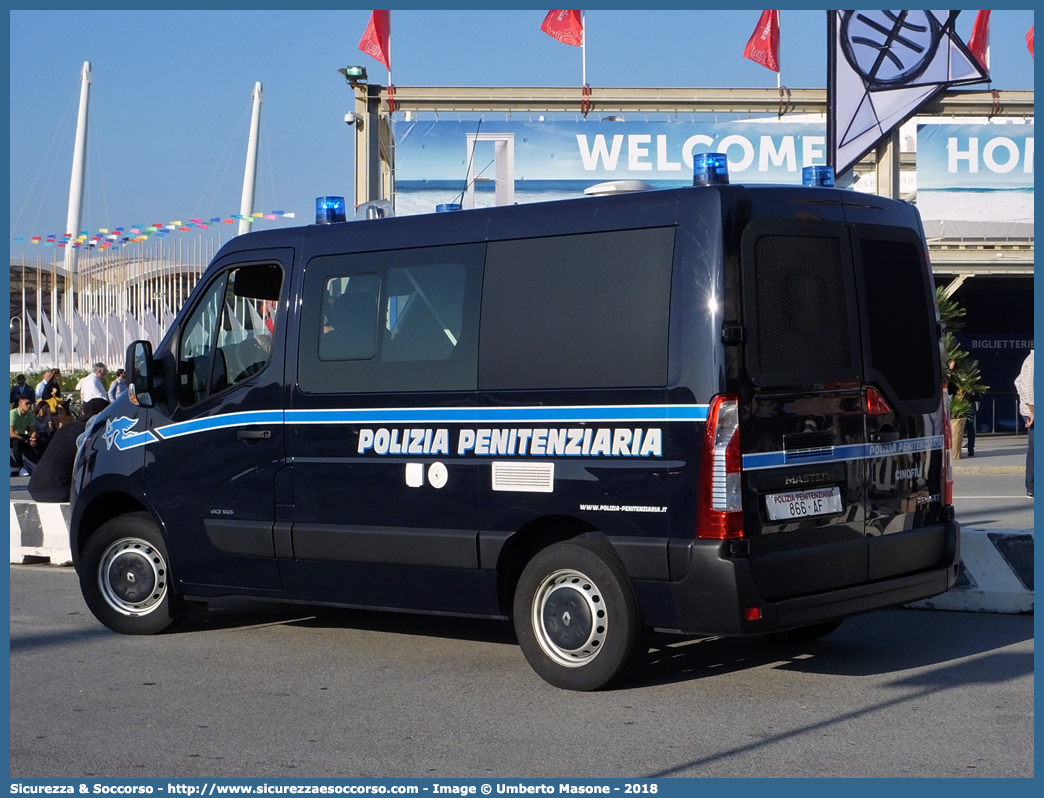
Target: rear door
<point>904,457</point>
<point>802,430</point>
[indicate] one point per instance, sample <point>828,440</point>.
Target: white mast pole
<point>779,72</point>
<point>72,224</point>
<point>246,204</point>
<point>583,48</point>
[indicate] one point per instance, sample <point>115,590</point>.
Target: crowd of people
<point>44,427</point>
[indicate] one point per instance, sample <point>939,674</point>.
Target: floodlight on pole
<point>353,74</point>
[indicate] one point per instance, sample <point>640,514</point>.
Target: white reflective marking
<point>414,475</point>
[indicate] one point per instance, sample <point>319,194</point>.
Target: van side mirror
<point>140,373</point>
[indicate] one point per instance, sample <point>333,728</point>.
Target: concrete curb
<point>996,574</point>
<point>40,531</point>
<point>958,470</point>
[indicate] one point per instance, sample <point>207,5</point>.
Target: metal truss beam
<point>476,99</point>
<point>985,257</point>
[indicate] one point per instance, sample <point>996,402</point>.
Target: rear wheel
<point>575,615</point>
<point>805,633</point>
<point>125,577</point>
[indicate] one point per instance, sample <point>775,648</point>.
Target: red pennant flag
<point>979,41</point>
<point>1029,41</point>
<point>375,42</point>
<point>763,46</point>
<point>565,27</point>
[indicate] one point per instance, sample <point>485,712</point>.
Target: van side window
<point>350,317</point>
<point>197,346</point>
<point>402,320</point>
<point>228,338</point>
<point>423,313</point>
<point>578,311</point>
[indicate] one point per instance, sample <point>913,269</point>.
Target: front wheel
<point>125,577</point>
<point>575,615</point>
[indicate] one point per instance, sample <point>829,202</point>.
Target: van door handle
<point>254,434</point>
<point>885,436</point>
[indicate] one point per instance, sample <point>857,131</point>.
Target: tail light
<point>947,454</point>
<point>719,506</point>
<point>876,404</point>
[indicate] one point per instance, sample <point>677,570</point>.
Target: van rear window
<point>900,317</point>
<point>577,311</point>
<point>803,330</point>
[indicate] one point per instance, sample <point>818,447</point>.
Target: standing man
<point>1024,385</point>
<point>45,378</point>
<point>21,389</point>
<point>91,386</point>
<point>119,385</point>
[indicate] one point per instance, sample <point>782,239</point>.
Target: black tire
<point>576,617</point>
<point>125,577</point>
<point>805,633</point>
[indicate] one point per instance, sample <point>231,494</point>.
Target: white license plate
<point>803,503</point>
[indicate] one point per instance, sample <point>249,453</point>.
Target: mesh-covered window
<point>900,318</point>
<point>803,309</point>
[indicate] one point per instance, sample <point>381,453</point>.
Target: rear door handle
<point>254,434</point>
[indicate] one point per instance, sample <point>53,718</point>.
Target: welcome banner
<point>559,159</point>
<point>980,173</point>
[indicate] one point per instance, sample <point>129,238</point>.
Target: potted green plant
<point>963,379</point>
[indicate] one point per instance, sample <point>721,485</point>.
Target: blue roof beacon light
<point>821,176</point>
<point>329,209</point>
<point>710,169</point>
<point>446,207</point>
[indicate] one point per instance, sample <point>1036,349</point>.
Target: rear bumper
<point>712,596</point>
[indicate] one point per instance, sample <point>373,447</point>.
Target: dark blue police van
<point>714,410</point>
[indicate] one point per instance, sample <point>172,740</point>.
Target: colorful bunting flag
<point>138,233</point>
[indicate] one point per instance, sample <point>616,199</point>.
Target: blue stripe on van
<point>856,451</point>
<point>459,415</point>
<point>438,415</point>
<point>224,421</point>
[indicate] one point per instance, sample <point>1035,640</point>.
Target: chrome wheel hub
<point>132,576</point>
<point>569,618</point>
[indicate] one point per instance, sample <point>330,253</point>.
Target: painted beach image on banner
<point>978,179</point>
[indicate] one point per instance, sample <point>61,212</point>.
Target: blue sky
<point>170,97</point>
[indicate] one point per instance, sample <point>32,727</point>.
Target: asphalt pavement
<point>257,690</point>
<point>989,490</point>
<point>262,690</point>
